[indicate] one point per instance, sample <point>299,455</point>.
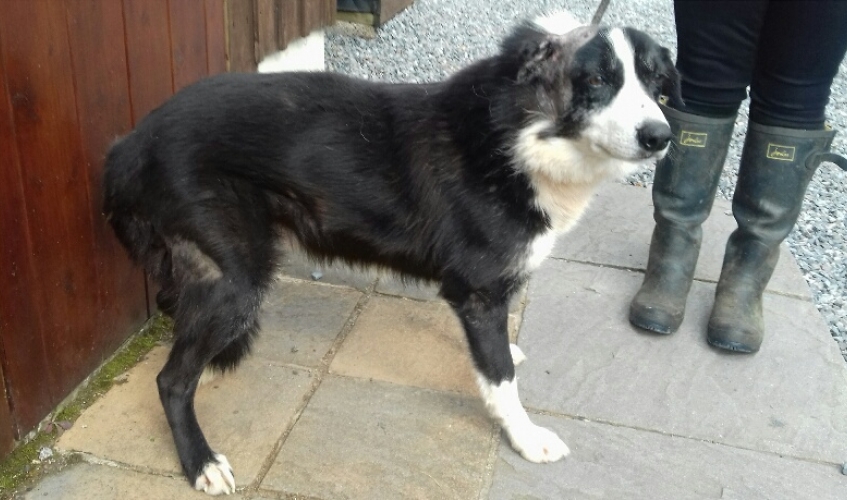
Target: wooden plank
<point>215,37</point>
<point>241,30</point>
<point>331,10</point>
<point>267,13</point>
<point>289,22</point>
<point>39,69</point>
<point>311,16</point>
<point>7,437</point>
<point>148,55</point>
<point>188,42</point>
<point>390,8</point>
<point>102,97</point>
<point>21,328</point>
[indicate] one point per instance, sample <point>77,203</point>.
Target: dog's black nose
<point>654,136</point>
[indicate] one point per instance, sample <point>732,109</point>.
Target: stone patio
<point>361,388</point>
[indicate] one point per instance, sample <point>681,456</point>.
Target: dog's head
<point>595,93</point>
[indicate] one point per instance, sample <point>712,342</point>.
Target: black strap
<point>832,158</point>
<point>601,9</point>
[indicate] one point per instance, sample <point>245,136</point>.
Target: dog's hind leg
<point>484,315</point>
<point>210,318</point>
<point>215,319</point>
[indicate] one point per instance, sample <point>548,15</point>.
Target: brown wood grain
<point>390,8</point>
<point>267,39</point>
<point>241,26</point>
<point>38,61</point>
<point>312,16</point>
<point>7,437</point>
<point>102,96</point>
<point>331,10</point>
<point>148,54</point>
<point>74,75</point>
<point>290,22</point>
<point>21,329</point>
<point>215,37</point>
<point>188,42</point>
<point>149,66</point>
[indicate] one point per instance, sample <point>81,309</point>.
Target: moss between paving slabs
<point>22,467</point>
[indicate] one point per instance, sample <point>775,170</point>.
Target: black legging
<point>787,52</point>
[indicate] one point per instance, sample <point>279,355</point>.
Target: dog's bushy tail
<point>123,192</point>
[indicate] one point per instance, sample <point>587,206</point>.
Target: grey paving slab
<point>392,285</point>
<point>300,321</point>
<point>612,462</point>
<point>585,359</point>
<point>296,264</point>
<point>359,439</point>
<point>101,482</point>
<point>617,226</point>
<point>243,414</point>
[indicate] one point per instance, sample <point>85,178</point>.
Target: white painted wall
<point>303,54</point>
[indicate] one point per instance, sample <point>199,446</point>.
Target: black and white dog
<point>465,182</point>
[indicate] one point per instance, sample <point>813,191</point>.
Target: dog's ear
<point>538,54</point>
<point>670,77</point>
<point>541,63</point>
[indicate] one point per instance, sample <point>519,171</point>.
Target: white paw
<point>216,477</point>
<point>538,444</point>
<point>518,356</point>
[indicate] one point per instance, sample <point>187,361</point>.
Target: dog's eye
<point>595,80</point>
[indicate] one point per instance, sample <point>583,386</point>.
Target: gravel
<point>433,38</point>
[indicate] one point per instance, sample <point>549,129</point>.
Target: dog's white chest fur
<point>540,248</point>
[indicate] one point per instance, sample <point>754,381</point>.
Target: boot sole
<point>732,346</point>
<point>651,326</point>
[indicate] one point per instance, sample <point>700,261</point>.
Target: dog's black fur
<point>418,179</point>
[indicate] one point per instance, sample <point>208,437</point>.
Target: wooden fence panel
<point>289,23</point>
<point>7,437</point>
<point>216,55</point>
<point>20,316</point>
<point>54,187</point>
<point>188,42</point>
<point>257,28</point>
<point>102,101</point>
<point>148,54</point>
<point>74,75</point>
<point>267,15</point>
<point>241,34</point>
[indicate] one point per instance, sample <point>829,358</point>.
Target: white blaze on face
<point>615,127</point>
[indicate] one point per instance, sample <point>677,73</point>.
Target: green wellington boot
<point>683,192</point>
<point>776,167</point>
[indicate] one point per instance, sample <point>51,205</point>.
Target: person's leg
<point>802,44</point>
<point>716,54</point>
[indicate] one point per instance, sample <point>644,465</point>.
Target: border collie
<point>465,183</point>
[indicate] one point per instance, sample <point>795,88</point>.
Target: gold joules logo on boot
<point>780,152</point>
<point>693,139</point>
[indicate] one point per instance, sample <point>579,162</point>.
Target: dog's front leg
<point>485,319</point>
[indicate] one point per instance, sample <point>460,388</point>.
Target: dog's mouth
<point>653,155</point>
<point>640,157</point>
